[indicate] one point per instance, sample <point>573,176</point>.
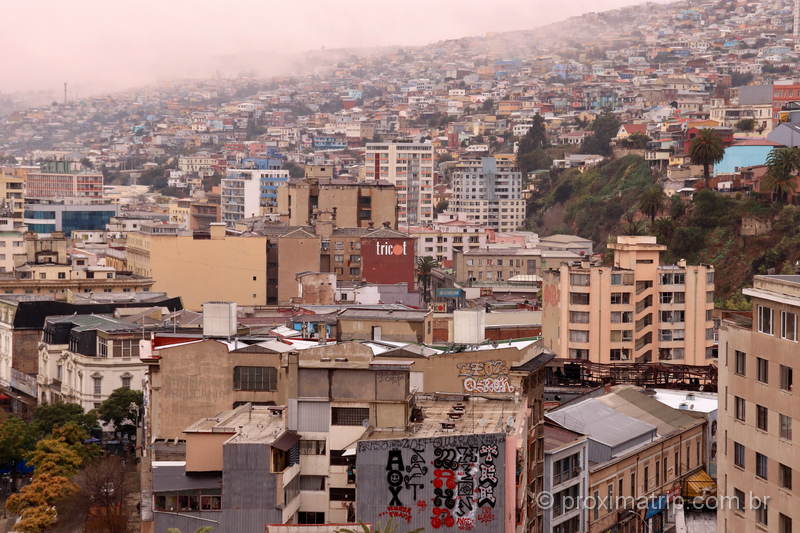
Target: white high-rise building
<point>488,191</point>
<point>409,167</point>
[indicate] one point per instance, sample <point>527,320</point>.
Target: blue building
<point>744,154</point>
<point>47,216</point>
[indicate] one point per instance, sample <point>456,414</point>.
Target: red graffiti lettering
<point>486,515</point>
<point>397,511</point>
<point>422,504</point>
<point>466,523</point>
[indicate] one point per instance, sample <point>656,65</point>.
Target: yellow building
<point>757,456</point>
<point>180,212</point>
<point>201,269</point>
<point>636,310</point>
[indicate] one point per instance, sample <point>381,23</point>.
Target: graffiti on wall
<point>485,376</point>
<point>438,484</point>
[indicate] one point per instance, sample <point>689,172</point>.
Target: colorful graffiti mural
<point>440,483</point>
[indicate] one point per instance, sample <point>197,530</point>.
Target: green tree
<point>605,128</point>
<point>17,439</point>
<point>121,408</point>
<point>706,149</point>
<point>676,207</point>
<point>746,124</point>
<point>48,417</point>
<point>652,202</point>
<point>441,206</point>
<point>636,141</point>
<point>425,266</point>
<point>295,170</point>
<point>530,152</point>
<point>781,179</point>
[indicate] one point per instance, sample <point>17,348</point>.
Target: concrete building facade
<point>757,456</point>
<point>488,191</point>
<point>409,167</point>
<point>636,310</point>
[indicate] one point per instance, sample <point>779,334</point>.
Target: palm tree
<point>706,149</point>
<point>783,165</point>
<point>425,266</point>
<point>652,202</point>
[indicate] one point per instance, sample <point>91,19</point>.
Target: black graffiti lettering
<point>394,476</point>
<point>445,458</point>
<point>444,496</point>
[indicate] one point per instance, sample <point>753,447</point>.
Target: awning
<point>700,485</point>
<point>656,506</point>
<point>287,441</point>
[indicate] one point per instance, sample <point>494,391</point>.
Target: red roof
<point>635,128</point>
<point>756,142</point>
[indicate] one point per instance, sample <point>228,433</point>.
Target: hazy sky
<point>100,45</point>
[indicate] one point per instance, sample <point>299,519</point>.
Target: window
<point>610,495</point>
<point>338,459</point>
<point>739,406</point>
<point>664,464</point>
<point>579,317</point>
<point>788,326</point>
<point>785,476</point>
<point>762,370</point>
<point>98,385</point>
<point>578,353</point>
<point>646,479</point>
<point>785,427</point>
<point>312,518</point>
<point>738,500</point>
<point>102,347</point>
<point>677,463</point>
<point>741,362</point>
<point>616,279</point>
<point>761,465</point>
<point>126,382</point>
<point>620,298</point>
<point>658,472</point>
<point>762,416</point>
<point>578,335</point>
<point>579,298</point>
<point>761,511</point>
<point>256,378</point>
<point>596,509</point>
<point>786,378</point>
<point>633,483</point>
<point>619,354</point>
<point>765,319</point>
<point>312,447</point>
<point>342,495</point>
<point>621,317</point>
<point>292,490</point>
<point>784,523</point>
<point>349,416</point>
<point>312,482</point>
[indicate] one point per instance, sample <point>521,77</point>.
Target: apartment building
<point>12,226</point>
<point>357,204</point>
<point>566,475</point>
<point>488,191</point>
<point>201,163</point>
<point>500,264</point>
<point>635,310</point>
<point>60,179</point>
<point>443,240</point>
<point>251,192</point>
<point>757,456</point>
<point>409,167</point>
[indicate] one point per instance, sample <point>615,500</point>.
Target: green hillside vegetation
<point>619,198</point>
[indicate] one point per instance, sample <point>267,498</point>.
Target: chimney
<point>217,230</point>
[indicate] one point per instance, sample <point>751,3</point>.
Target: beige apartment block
<point>201,269</point>
<point>757,454</point>
<point>635,310</point>
<point>488,191</point>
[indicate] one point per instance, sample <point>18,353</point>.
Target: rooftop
<point>468,415</point>
<point>247,423</point>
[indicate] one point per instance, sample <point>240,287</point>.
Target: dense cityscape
<point>538,281</point>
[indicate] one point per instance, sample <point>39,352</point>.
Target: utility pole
<point>65,93</point>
